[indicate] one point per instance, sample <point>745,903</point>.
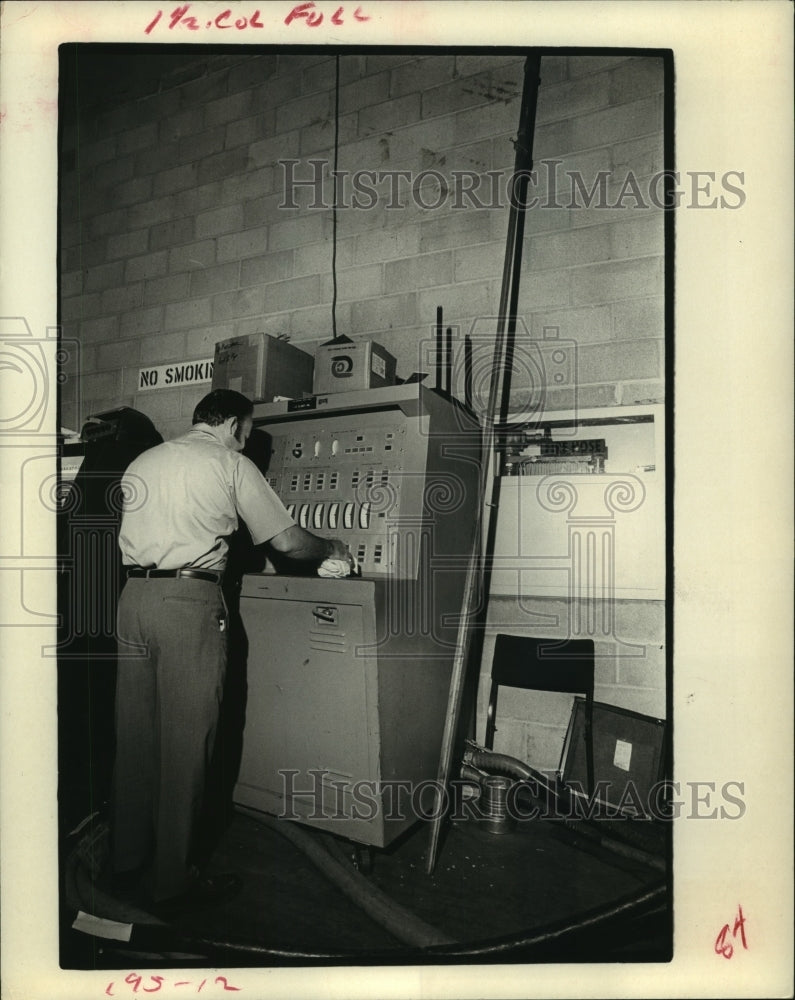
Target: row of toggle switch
<point>327,515</point>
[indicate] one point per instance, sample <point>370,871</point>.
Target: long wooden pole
<point>476,587</point>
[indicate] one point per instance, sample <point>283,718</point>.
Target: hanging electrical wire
<point>334,204</point>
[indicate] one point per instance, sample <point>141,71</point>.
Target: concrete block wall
<point>177,231</point>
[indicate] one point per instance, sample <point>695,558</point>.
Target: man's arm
<point>297,543</point>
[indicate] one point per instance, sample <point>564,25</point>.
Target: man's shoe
<point>208,890</point>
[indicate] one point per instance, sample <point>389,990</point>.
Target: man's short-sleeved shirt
<point>182,501</point>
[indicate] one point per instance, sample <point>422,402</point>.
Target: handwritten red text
<point>725,941</point>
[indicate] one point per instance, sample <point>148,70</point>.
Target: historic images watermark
<point>317,794</point>
<point>548,187</point>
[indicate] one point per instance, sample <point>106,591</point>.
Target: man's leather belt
<point>191,574</point>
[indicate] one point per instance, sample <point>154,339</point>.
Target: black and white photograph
<point>346,508</point>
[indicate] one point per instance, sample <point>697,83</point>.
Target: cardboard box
<point>344,365</point>
<point>261,367</point>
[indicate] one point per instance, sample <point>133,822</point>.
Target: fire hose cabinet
<point>348,679</point>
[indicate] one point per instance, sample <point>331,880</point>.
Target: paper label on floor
<point>623,754</point>
<point>102,927</point>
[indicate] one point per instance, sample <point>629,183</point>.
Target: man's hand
<point>339,550</point>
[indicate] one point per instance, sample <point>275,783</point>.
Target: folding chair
<point>544,665</point>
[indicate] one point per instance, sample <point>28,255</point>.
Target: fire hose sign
<point>176,374</point>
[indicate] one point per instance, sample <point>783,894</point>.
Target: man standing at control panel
<point>182,502</point>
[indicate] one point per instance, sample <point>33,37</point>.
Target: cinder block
<point>354,283</point>
<point>491,119</point>
<point>104,385</point>
<point>591,325</point>
<point>303,111</point>
<point>201,146</point>
<point>269,151</point>
<point>169,234</point>
<point>93,331</point>
<point>159,159</point>
<point>588,65</point>
<point>640,76</point>
<point>588,397</point>
<point>113,173</point>
<point>625,360</point>
<point>315,258</point>
<point>545,290</point>
<point>138,189</point>
<point>457,95</point>
<point>221,278</point>
<point>265,268</point>
<point>71,283</point>
<point>567,249</point>
<point>251,129</point>
<point>604,283</point>
<point>638,237</point>
<point>221,165</point>
<point>162,348</point>
<point>207,88</point>
<point>637,318</point>
<point>220,220</point>
<point>97,279</point>
<point>317,138</point>
<point>246,302</point>
<point>185,315</point>
<point>243,244</point>
<point>634,393</point>
<point>192,255</point>
<point>465,301</point>
<point>646,670</point>
<point>118,354</point>
<point>162,406</point>
<point>253,72</point>
<point>572,98</point>
<point>201,343</point>
<point>368,90</point>
<point>263,211</point>
<point>176,179</point>
<point>106,224</point>
<point>72,231</point>
<point>141,322</point>
<point>150,213</point>
<point>314,324</point>
<point>372,315</point>
<point>185,123</point>
<point>643,157</point>
<point>421,74</point>
<point>93,254</point>
<point>195,200</point>
<point>136,139</point>
<point>127,244</point>
<point>97,151</point>
<point>228,109</point>
<point>446,232</point>
<point>190,398</point>
<point>294,232</point>
<point>388,244</point>
<point>420,271</point>
<point>627,121</point>
<point>274,325</point>
<point>151,265</point>
<point>292,293</point>
<point>294,63</point>
<point>169,289</point>
<point>252,184</point>
<point>122,299</point>
<point>640,621</point>
<point>392,114</point>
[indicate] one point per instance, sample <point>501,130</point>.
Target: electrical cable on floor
<point>421,941</point>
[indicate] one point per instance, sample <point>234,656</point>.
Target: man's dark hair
<point>221,404</point>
